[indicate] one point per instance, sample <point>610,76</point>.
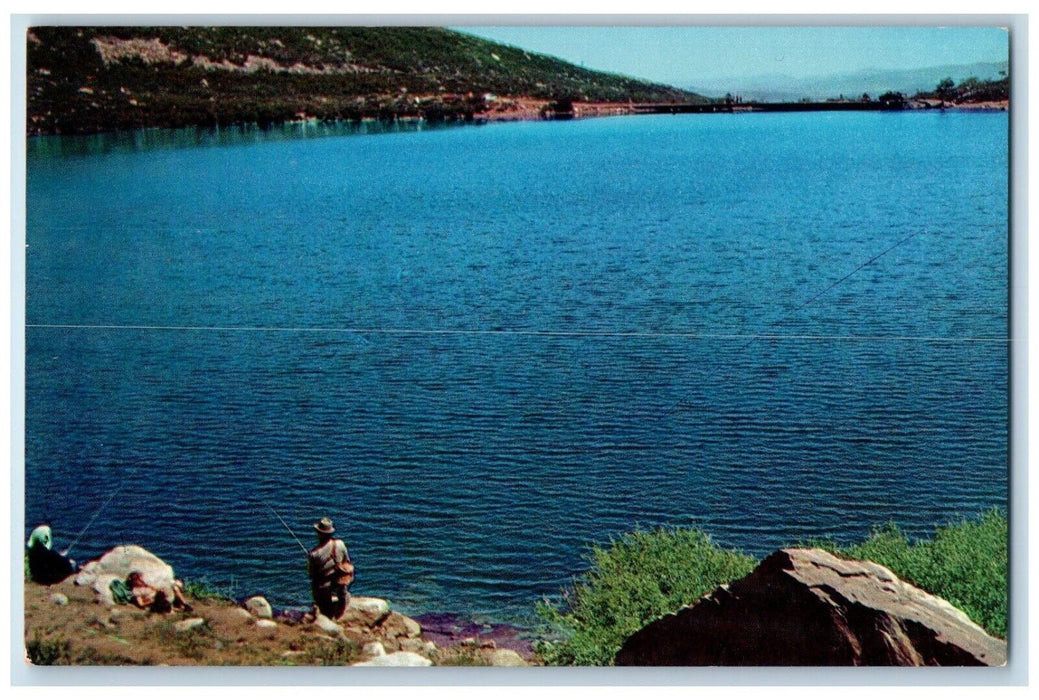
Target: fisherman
<point>45,565</point>
<point>331,571</point>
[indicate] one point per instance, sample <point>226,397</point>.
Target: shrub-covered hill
<point>89,79</point>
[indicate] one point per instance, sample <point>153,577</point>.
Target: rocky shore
<point>78,622</point>
<point>797,607</point>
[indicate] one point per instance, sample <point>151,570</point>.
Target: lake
<point>482,350</point>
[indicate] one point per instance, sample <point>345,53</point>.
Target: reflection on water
<point>152,139</point>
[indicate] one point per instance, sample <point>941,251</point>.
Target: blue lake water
<point>480,350</point>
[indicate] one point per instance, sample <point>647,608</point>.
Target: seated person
<point>45,565</point>
<point>154,599</point>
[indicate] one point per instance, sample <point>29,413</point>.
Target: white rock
<point>120,561</point>
<point>365,611</point>
<point>326,625</point>
<point>258,606</point>
<point>373,649</point>
<point>242,614</point>
<point>267,627</point>
<point>400,658</point>
<point>60,599</point>
<point>372,606</point>
<point>506,657</point>
<point>189,624</point>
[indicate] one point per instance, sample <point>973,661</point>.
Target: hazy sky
<point>683,55</point>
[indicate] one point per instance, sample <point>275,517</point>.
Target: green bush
<point>645,575</point>
<point>965,563</point>
<point>202,589</point>
<point>632,582</point>
<point>47,652</point>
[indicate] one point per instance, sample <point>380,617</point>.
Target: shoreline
<point>534,110</point>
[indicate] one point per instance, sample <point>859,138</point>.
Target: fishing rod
<point>301,546</point>
<point>90,522</point>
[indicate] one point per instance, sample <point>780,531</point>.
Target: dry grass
<point>87,633</point>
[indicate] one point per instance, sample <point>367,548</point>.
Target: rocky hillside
<point>91,79</point>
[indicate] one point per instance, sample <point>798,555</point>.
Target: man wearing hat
<point>330,571</point>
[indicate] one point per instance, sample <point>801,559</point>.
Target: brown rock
<point>396,625</point>
<point>418,646</point>
<point>806,607</point>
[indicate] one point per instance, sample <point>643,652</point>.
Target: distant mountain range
<point>782,88</point>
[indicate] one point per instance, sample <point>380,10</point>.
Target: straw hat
<point>324,526</point>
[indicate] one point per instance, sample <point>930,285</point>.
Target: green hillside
<point>90,79</point>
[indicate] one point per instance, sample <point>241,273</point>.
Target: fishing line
<point>801,307</point>
<point>301,546</point>
<point>91,521</point>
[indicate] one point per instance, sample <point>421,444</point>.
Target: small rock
<point>258,606</point>
<point>373,649</point>
<point>400,658</point>
<point>267,627</point>
<point>506,657</point>
<point>188,624</point>
<point>397,625</point>
<point>60,599</point>
<point>326,625</point>
<point>242,614</point>
<point>418,646</point>
<point>356,636</point>
<point>365,611</point>
<point>102,622</point>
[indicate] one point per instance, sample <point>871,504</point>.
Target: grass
<point>202,589</point>
<point>190,644</point>
<point>48,652</point>
<point>324,652</point>
<point>645,575</point>
<point>634,580</point>
<point>964,563</point>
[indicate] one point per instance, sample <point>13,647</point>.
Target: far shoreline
<point>533,110</point>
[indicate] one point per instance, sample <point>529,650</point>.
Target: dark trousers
<point>331,599</point>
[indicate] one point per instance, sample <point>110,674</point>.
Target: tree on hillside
<point>945,89</point>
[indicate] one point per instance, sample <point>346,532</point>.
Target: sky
<point>684,55</point>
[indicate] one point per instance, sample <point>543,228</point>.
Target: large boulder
<point>806,607</point>
<point>120,562</point>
